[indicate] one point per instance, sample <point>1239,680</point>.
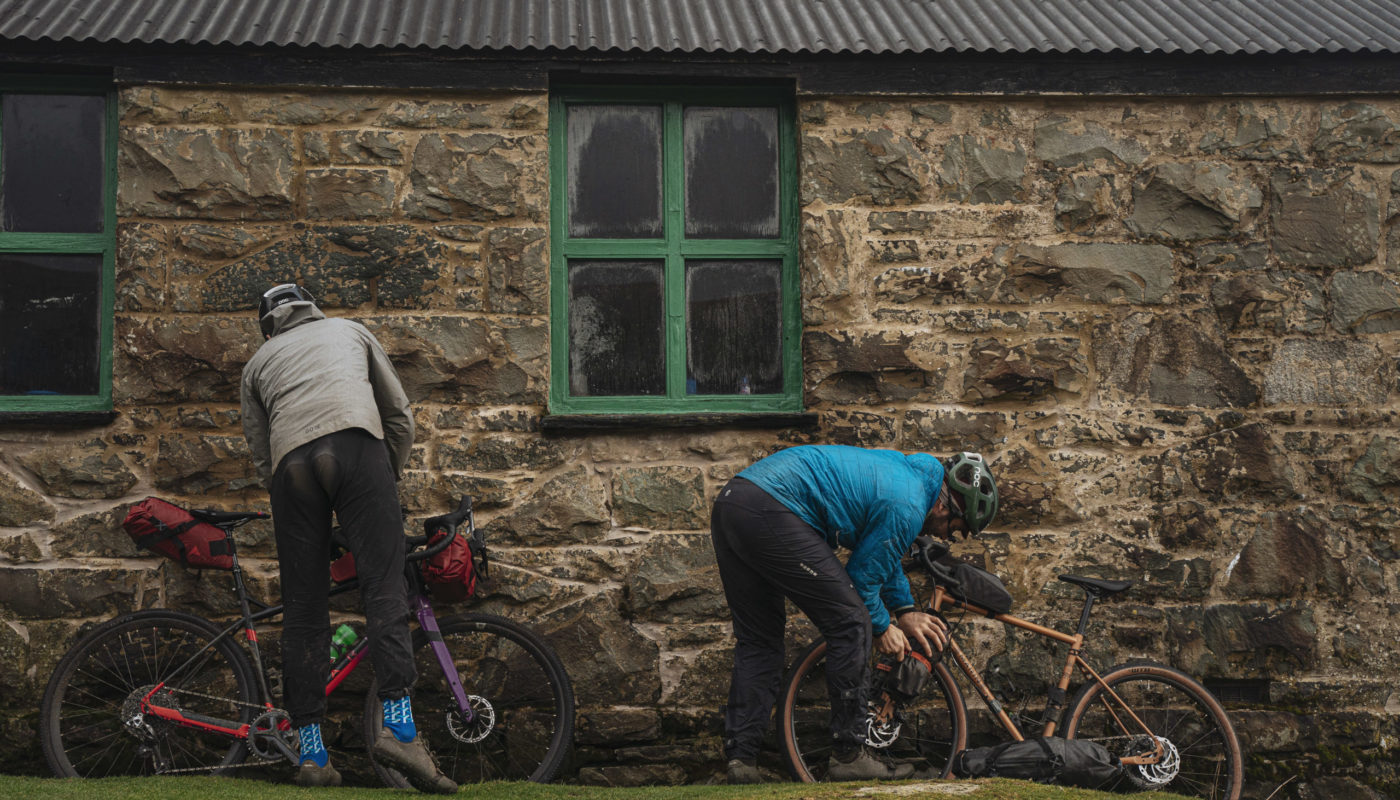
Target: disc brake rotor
<point>1161,773</point>
<point>482,723</point>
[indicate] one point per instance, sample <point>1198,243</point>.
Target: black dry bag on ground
<point>1069,762</point>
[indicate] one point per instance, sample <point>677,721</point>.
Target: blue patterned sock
<point>398,717</point>
<point>312,748</point>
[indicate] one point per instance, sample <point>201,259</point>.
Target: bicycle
<point>166,692</point>
<point>1168,731</point>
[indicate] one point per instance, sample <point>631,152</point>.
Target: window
<point>673,251</point>
<point>57,246</point>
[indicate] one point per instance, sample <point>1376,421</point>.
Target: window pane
<point>52,168</point>
<point>733,327</point>
<point>615,171</point>
<point>731,173</point>
<point>617,344</point>
<point>48,324</point>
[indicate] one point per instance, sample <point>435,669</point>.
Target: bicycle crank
<point>271,737</point>
<point>482,722</point>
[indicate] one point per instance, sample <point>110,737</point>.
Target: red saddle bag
<point>166,529</point>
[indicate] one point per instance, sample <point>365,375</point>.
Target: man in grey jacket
<point>330,428</point>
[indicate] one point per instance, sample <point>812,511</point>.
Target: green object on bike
<point>342,640</point>
<point>969,476</point>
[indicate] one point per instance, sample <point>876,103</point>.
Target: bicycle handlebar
<point>926,549</point>
<point>444,522</point>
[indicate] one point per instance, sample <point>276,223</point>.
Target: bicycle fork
<point>427,621</point>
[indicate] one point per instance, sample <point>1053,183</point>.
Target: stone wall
<point>1172,325</point>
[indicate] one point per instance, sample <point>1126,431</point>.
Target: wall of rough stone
<point>1171,323</point>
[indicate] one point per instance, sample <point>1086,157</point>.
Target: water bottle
<point>341,641</point>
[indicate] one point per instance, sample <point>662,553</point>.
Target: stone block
<point>20,506</point>
<point>1364,302</point>
<point>880,167</point>
<point>434,114</point>
<point>342,266</point>
<point>1087,203</point>
<point>566,509</point>
<point>66,593</point>
<point>95,535</point>
<point>1256,131</point>
<point>665,498</point>
<point>143,266</point>
<point>222,242</point>
<point>1170,360</point>
<point>181,359</point>
<point>1069,143</point>
<point>608,660</point>
<point>973,170</point>
<point>1328,372</point>
<point>676,580</point>
<point>1186,202</point>
<point>212,173</point>
<point>517,270</point>
<point>1232,464</point>
<point>1043,367</point>
<point>87,470</point>
<point>632,775</point>
<point>615,726</point>
<point>1375,477</point>
<point>458,360</point>
<point>858,429</point>
<point>965,222</point>
<point>827,252</point>
<point>367,147</point>
<point>1096,272</point>
<point>1286,556</point>
<point>321,108</point>
<point>349,193</point>
<point>1273,302</point>
<point>1323,218</point>
<point>705,678</point>
<point>505,453</point>
<point>1244,641</point>
<point>478,177</point>
<point>1357,132</point>
<point>203,464</point>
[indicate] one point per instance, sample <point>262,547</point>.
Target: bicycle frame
<point>1056,700</point>
<point>422,611</point>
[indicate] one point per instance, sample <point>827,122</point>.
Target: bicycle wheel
<point>926,733</point>
<point>90,721</point>
<point>1203,756</point>
<point>521,696</point>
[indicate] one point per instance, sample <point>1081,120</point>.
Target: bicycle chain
<point>217,698</point>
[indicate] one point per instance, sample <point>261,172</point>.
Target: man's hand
<point>892,642</point>
<point>926,630</point>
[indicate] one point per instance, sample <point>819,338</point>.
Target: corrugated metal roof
<point>740,26</point>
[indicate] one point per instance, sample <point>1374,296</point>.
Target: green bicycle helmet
<point>970,478</point>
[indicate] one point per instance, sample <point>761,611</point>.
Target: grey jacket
<point>317,376</point>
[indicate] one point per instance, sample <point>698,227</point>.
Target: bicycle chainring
<point>268,727</point>
<point>1154,776</point>
<point>482,723</point>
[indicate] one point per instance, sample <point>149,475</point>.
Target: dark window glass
<point>733,327</point>
<point>731,172</point>
<point>615,171</point>
<point>616,337</point>
<point>48,324</point>
<point>51,175</point>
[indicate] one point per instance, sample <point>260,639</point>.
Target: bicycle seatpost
<point>1084,617</point>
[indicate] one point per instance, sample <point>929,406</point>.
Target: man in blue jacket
<point>776,527</point>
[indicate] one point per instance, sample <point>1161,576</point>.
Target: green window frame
<point>674,249</point>
<point>48,244</point>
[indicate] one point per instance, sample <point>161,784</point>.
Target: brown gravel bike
<point>1169,732</point>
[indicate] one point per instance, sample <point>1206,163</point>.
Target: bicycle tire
<point>512,672</point>
<point>933,731</point>
<point>1177,709</point>
<point>88,725</point>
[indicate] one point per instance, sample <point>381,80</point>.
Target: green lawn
<point>205,788</point>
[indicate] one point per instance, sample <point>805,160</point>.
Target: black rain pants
<point>346,472</point>
<point>766,553</point>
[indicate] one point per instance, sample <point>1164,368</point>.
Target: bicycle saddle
<point>1097,587</point>
<point>221,517</point>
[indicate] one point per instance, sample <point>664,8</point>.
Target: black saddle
<point>225,517</point>
<point>1097,587</point>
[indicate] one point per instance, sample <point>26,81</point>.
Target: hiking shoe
<point>741,771</point>
<point>311,775</point>
<point>414,761</point>
<point>865,766</point>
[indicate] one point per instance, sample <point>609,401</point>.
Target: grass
<point>206,788</point>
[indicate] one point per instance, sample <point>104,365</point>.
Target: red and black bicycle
<point>164,692</point>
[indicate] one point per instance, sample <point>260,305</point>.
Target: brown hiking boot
<point>741,771</point>
<point>311,775</point>
<point>865,766</point>
<point>414,761</point>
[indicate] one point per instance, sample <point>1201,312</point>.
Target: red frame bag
<point>169,530</point>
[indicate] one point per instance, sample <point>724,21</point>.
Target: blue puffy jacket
<point>872,502</point>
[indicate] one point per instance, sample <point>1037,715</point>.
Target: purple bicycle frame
<point>428,622</point>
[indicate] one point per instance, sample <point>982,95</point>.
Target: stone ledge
<point>57,419</point>
<point>576,423</point>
